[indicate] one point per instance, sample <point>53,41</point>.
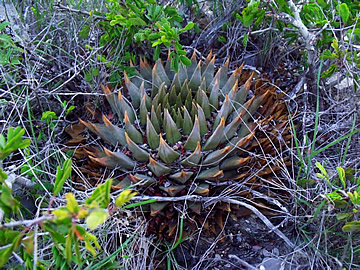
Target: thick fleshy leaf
<point>243,110</point>
<point>115,160</point>
<point>162,92</point>
<point>242,92</point>
<point>154,120</point>
<point>134,91</point>
<point>234,162</point>
<point>108,132</point>
<point>173,190</point>
<point>202,121</point>
<point>195,80</point>
<point>216,156</point>
<point>137,78</point>
<point>247,128</point>
<point>183,76</point>
<point>143,111</point>
<point>258,101</point>
<point>216,137</point>
<point>152,136</point>
<point>172,96</point>
<point>145,69</point>
<point>231,129</point>
<point>194,109</point>
<point>233,92</point>
<point>202,189</point>
<point>214,95</point>
<point>176,83</point>
<point>165,103</point>
<point>189,102</point>
<point>196,207</point>
<point>192,67</point>
<point>141,180</point>
<point>239,143</point>
<point>166,153</point>
<point>213,173</point>
<point>194,158</point>
<point>133,133</point>
<point>204,102</point>
<point>232,80</point>
<point>179,119</point>
<point>111,98</point>
<point>158,77</point>
<point>138,153</point>
<point>194,136</point>
<point>203,85</point>
<point>224,73</point>
<point>184,91</point>
<point>224,111</point>
<point>168,70</point>
<point>179,102</point>
<point>160,70</point>
<point>187,124</point>
<point>157,207</point>
<point>158,115</point>
<point>181,177</point>
<point>172,132</point>
<point>125,107</point>
<point>217,113</point>
<point>157,168</point>
<point>208,74</point>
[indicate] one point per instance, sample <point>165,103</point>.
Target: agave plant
<point>193,132</point>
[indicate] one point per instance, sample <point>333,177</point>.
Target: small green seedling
<point>13,142</point>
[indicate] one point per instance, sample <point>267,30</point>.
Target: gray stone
<point>272,264</point>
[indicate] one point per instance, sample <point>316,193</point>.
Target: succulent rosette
<point>195,132</point>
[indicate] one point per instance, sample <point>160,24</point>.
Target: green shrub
<point>141,23</point>
<point>63,224</point>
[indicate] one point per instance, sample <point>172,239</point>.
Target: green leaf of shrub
<point>68,248</point>
<point>137,21</point>
<point>351,226</point>
<point>71,203</point>
<point>3,25</point>
<point>189,26</point>
<point>344,12</point>
<point>62,175</point>
<point>124,197</point>
<point>84,33</point>
<point>341,174</point>
<point>245,40</point>
<point>175,63</point>
<point>321,168</point>
<point>101,194</point>
<point>5,253</point>
<point>156,53</point>
<point>96,218</point>
<point>343,216</point>
<point>222,39</point>
<point>186,61</point>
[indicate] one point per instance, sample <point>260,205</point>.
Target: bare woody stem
<point>308,37</point>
